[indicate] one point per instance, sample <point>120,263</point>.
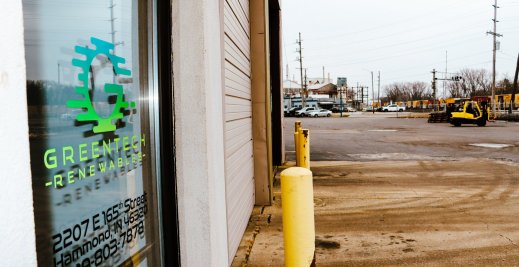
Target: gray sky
<point>54,27</point>
<point>403,39</point>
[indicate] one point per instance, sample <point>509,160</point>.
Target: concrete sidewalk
<point>459,212</point>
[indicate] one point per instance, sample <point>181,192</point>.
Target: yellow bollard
<point>297,141</point>
<point>297,138</point>
<point>304,144</point>
<point>297,198</point>
<point>298,126</point>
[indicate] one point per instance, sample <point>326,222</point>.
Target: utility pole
<point>372,94</point>
<point>112,19</point>
<point>379,89</point>
<point>512,105</point>
<point>434,87</point>
<point>112,25</point>
<point>59,72</point>
<point>305,86</point>
<point>362,95</point>
<point>341,83</point>
<point>324,80</point>
<point>445,75</point>
<point>357,96</point>
<point>495,35</point>
<point>300,50</point>
<point>113,31</point>
<point>340,100</point>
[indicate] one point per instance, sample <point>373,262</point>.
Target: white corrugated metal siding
<point>239,168</point>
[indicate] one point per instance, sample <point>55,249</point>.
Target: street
<point>401,192</point>
<point>383,136</point>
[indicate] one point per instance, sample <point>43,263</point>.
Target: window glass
<point>91,137</point>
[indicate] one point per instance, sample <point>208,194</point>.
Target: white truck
<point>393,107</point>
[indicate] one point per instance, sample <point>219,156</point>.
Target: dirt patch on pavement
<point>395,213</point>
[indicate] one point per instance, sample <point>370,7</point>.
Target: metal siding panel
<point>238,161</point>
<point>239,164</point>
<point>237,116</point>
<point>238,221</point>
<point>234,31</point>
<point>236,16</point>
<point>238,137</point>
<point>236,82</point>
<point>237,36</point>
<point>242,9</point>
<point>234,56</point>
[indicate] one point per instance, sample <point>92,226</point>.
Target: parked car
<point>304,111</point>
<point>393,107</point>
<point>292,111</point>
<point>320,113</point>
<point>344,109</point>
<point>338,109</point>
<point>368,108</point>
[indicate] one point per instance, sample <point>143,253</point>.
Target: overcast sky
<point>403,39</point>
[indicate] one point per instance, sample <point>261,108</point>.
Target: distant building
<point>291,88</point>
<point>328,90</point>
<point>312,81</point>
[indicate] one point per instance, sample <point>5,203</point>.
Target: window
<point>91,132</point>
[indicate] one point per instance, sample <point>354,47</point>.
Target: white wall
<point>198,83</point>
<point>17,242</point>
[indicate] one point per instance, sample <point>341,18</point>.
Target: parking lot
<point>384,136</point>
<point>402,192</point>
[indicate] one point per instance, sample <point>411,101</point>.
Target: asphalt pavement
<point>384,136</point>
<point>394,191</point>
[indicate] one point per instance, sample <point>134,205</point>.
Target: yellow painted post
<point>298,126</point>
<point>297,198</point>
<point>297,138</point>
<point>305,149</point>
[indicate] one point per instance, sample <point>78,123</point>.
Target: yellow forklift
<point>471,112</point>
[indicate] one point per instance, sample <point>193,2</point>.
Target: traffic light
<point>457,78</point>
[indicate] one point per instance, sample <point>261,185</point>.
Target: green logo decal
<point>104,124</point>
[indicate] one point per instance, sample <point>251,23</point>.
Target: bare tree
<point>505,86</point>
<point>475,82</point>
<point>406,91</point>
<point>455,89</point>
<point>394,92</point>
<point>418,91</point>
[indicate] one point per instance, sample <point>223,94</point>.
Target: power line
<point>404,20</point>
<point>398,55</point>
<point>399,43</point>
<point>438,62</point>
<point>407,31</point>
